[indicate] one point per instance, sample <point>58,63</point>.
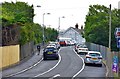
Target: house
<point>74,34</point>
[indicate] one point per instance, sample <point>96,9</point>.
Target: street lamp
<point>110,27</point>
<point>59,24</point>
<point>44,27</point>
<point>38,6</point>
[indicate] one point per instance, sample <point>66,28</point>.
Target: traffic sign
<point>118,42</point>
<point>115,64</point>
<point>117,32</point>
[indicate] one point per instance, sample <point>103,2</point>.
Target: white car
<point>77,46</point>
<point>93,57</point>
<point>82,51</point>
<point>55,44</point>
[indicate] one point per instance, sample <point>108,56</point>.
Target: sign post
<point>115,64</point>
<point>117,36</point>
<point>118,42</point>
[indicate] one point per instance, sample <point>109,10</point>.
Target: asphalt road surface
<point>70,64</point>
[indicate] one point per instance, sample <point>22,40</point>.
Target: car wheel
<point>57,58</point>
<point>44,58</point>
<point>86,64</point>
<point>100,65</point>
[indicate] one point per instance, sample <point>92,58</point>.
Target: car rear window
<point>94,54</point>
<point>83,53</point>
<point>50,48</point>
<point>83,49</point>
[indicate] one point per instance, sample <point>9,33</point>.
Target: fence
<point>26,50</point>
<point>107,56</point>
<point>9,55</point>
<point>15,54</point>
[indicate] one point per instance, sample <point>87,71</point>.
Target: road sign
<point>118,42</point>
<point>115,64</point>
<point>117,32</point>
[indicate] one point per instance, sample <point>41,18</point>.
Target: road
<point>70,64</point>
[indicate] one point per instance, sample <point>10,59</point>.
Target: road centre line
<point>83,66</point>
<point>25,69</point>
<point>60,58</point>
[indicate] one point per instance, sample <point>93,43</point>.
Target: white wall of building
<point>71,33</point>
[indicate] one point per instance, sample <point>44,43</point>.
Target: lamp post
<point>44,27</point>
<point>59,19</point>
<point>110,27</point>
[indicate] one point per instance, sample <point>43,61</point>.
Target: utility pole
<point>110,27</point>
<point>59,21</point>
<point>43,31</point>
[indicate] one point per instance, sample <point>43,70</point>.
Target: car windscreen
<point>94,54</point>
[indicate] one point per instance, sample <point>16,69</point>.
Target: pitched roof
<point>77,30</point>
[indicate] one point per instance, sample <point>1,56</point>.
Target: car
<point>82,51</point>
<point>80,48</point>
<point>55,44</point>
<point>77,46</point>
<point>50,52</point>
<point>93,57</point>
<point>62,43</point>
<point>69,43</point>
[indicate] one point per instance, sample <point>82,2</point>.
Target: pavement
<point>34,59</point>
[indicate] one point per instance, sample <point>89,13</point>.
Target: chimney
<point>76,26</point>
<point>81,26</point>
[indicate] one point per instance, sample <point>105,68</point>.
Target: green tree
<point>20,14</point>
<point>97,25</point>
<point>51,34</point>
<point>17,12</point>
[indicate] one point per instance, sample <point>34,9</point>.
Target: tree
<point>17,12</point>
<point>20,15</point>
<point>97,25</point>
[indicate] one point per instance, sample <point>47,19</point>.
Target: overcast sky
<point>74,11</point>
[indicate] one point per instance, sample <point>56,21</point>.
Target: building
<point>74,34</point>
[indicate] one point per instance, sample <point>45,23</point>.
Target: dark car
<point>50,52</point>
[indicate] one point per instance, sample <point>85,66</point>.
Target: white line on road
<point>52,67</point>
<point>83,66</point>
<point>58,75</point>
<point>25,69</point>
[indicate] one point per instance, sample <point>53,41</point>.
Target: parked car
<point>82,51</point>
<point>93,57</point>
<point>77,46</point>
<point>69,43</point>
<point>50,52</point>
<point>62,43</point>
<point>55,44</point>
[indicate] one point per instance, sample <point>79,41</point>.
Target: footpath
<point>24,65</point>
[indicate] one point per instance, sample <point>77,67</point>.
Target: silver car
<point>93,57</point>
